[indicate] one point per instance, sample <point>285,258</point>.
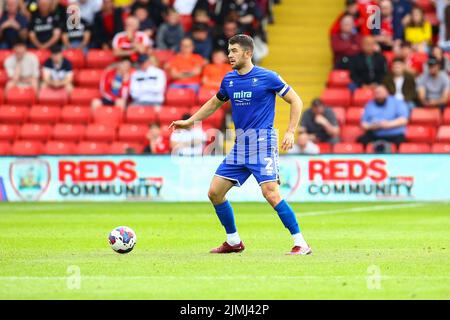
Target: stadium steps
<point>299,48</point>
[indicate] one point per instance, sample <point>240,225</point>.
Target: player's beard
<point>238,65</point>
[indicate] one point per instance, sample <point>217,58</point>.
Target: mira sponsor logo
<point>242,98</point>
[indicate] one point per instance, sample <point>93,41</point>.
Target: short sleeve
<point>222,94</point>
<point>277,84</point>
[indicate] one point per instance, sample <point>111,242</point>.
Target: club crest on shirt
<point>230,84</point>
<point>254,82</point>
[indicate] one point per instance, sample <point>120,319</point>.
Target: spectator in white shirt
<point>148,83</point>
<point>187,142</point>
<point>304,144</point>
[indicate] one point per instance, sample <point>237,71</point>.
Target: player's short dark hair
<point>246,42</point>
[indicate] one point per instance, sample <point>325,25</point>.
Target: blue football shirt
<point>252,97</point>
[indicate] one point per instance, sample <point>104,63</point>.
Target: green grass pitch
<point>361,251</point>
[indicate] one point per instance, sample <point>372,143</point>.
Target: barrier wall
<point>165,178</point>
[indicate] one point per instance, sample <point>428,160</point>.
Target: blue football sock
<point>225,213</point>
<point>287,216</point>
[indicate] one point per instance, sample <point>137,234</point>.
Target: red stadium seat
<point>163,56</point>
<point>59,147</point>
<point>414,148</point>
<point>3,55</point>
<point>120,147</point>
<point>216,120</point>
<point>75,114</point>
<point>339,79</point>
<point>370,148</point>
<point>354,115</point>
<point>41,54</point>
<point>3,77</point>
<point>68,132</point>
<point>133,133</point>
<point>92,147</point>
<point>20,96</point>
<point>109,115</point>
<point>27,148</point>
<point>431,117</point>
<point>180,97</point>
<point>100,132</point>
<point>186,22</point>
<point>440,148</point>
<point>344,148</point>
<point>336,97</point>
<point>76,57</point>
<point>84,96</point>
<point>141,114</point>
<point>340,115</point>
<point>8,131</point>
<point>446,118</point>
<point>169,114</point>
<point>206,93</point>
<point>35,131</point>
<point>417,133</point>
<point>49,96</point>
<point>362,96</point>
<point>44,114</point>
<point>443,134</point>
<point>350,133</point>
<point>89,78</point>
<point>324,147</point>
<point>5,148</point>
<point>166,132</point>
<point>13,114</point>
<point>97,58</point>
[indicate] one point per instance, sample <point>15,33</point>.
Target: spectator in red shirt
<point>414,62</point>
<point>115,85</point>
<point>131,42</point>
<point>156,142</point>
<point>345,44</point>
<point>186,67</point>
<point>357,12</point>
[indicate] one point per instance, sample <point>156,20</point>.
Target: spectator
<point>115,85</point>
<point>45,26</point>
<point>156,143</point>
<point>186,67</point>
<point>57,72</point>
<point>402,8</point>
<point>443,15</point>
<point>433,86</point>
<point>88,8</point>
<point>418,30</point>
<point>157,9</point>
<point>320,123</point>
<point>384,35</point>
<point>22,68</point>
<point>437,53</point>
<point>384,118</point>
<point>214,72</point>
<point>202,40</point>
<point>170,33</point>
<point>148,83</point>
<point>345,44</point>
<point>352,9</point>
<point>107,23</point>
<point>13,25</point>
<point>201,16</point>
<point>76,36</point>
<point>131,42</point>
<point>217,9</point>
<point>187,142</point>
<point>246,14</point>
<point>304,144</point>
<point>368,67</point>
<point>146,24</point>
<point>401,84</point>
<point>230,29</point>
<point>414,64</point>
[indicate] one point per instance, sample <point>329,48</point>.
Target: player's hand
<point>181,124</point>
<point>288,141</point>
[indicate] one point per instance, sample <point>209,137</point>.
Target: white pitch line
<point>362,209</point>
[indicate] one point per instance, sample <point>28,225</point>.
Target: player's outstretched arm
<point>296,110</point>
<point>204,112</point>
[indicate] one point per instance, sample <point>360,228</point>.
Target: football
<point>122,239</point>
